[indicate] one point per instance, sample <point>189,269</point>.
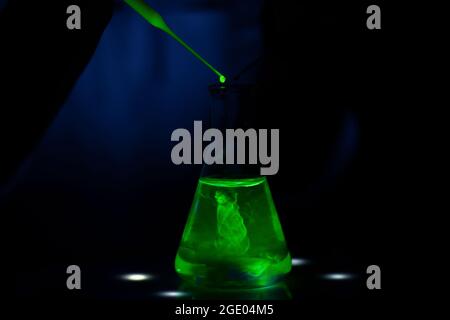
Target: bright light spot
<point>172,294</point>
<point>338,276</point>
<point>222,79</point>
<point>299,262</point>
<point>137,277</point>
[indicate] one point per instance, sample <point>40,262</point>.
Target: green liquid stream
<point>156,20</point>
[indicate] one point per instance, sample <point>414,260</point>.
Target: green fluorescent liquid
<point>156,20</point>
<point>233,237</point>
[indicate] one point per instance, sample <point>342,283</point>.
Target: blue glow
<point>3,4</point>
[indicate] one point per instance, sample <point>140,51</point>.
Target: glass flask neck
<point>233,111</point>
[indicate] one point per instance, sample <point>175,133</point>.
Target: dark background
<point>98,186</point>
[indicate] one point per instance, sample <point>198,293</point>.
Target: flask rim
<point>220,89</point>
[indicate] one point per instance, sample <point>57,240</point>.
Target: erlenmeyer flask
<point>233,237</point>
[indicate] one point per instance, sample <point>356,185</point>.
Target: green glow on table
<point>233,237</point>
<point>155,19</point>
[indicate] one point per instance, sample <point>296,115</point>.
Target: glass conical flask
<point>233,237</point>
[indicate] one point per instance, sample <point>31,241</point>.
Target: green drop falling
<point>156,20</point>
<point>233,237</point>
